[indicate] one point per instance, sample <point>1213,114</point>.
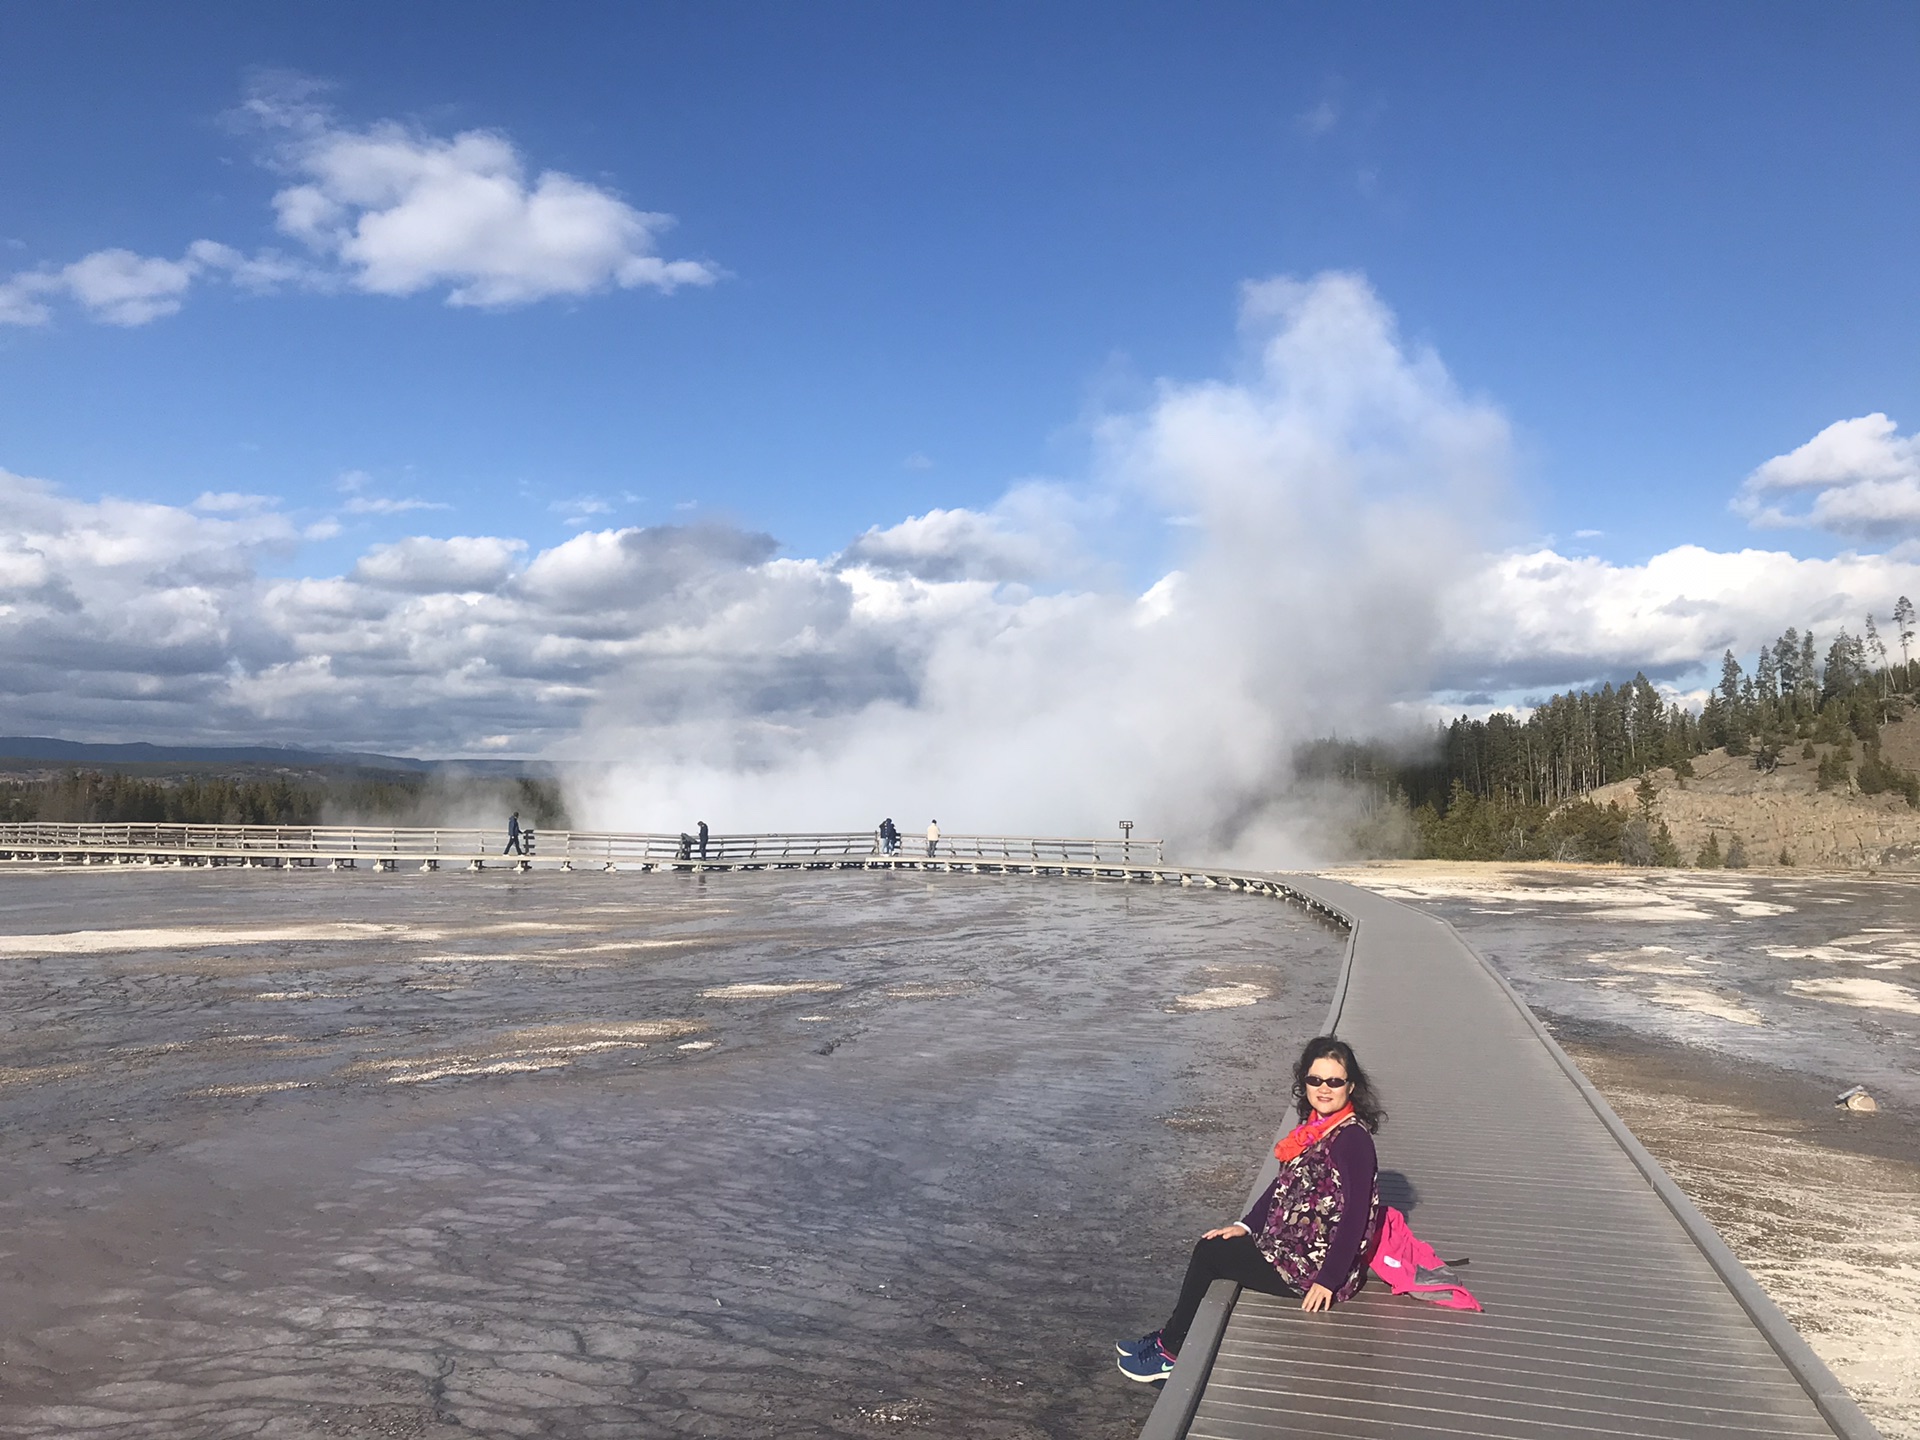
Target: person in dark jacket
<point>513,835</point>
<point>702,830</point>
<point>1309,1234</point>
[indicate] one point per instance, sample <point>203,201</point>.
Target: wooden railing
<point>579,846</point>
<point>1042,848</point>
<point>254,839</point>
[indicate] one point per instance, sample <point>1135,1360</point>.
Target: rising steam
<point>1315,510</point>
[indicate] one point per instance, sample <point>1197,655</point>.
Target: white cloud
<point>951,545</point>
<point>116,287</point>
<point>388,505</point>
<point>20,302</point>
<point>223,502</point>
<point>122,288</point>
<point>1532,621</point>
<point>259,274</point>
<point>116,612</point>
<point>401,212</point>
<point>388,210</point>
<point>131,619</point>
<point>1320,119</point>
<point>462,563</point>
<point>1862,475</point>
<point>580,509</point>
<point>355,485</point>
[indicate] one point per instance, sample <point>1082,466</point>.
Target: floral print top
<point>1319,1220</point>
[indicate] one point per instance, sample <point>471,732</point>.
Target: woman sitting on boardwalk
<point>1309,1234</point>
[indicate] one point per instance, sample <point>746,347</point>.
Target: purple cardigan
<point>1351,1151</point>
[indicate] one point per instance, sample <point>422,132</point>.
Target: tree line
<point>1513,787</point>
<point>384,797</point>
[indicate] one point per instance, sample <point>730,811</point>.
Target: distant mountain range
<point>14,748</point>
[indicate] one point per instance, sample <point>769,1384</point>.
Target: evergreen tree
<point>1846,667</point>
<point>1646,728</point>
<point>1665,852</point>
<point>1786,661</point>
<point>1832,772</point>
<point>1730,678</point>
<point>1876,647</point>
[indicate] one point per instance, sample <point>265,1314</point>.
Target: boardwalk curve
<point>1613,1308</point>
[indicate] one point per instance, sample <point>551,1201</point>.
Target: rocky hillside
<point>1782,817</point>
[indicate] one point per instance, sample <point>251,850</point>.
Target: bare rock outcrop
<point>1781,817</point>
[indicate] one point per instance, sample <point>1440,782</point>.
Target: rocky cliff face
<point>1782,817</point>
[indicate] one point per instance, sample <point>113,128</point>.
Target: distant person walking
<point>513,835</point>
<point>703,839</point>
<point>933,837</point>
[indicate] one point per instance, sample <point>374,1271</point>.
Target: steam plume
<point>1317,509</point>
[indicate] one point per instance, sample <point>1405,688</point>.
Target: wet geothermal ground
<point>325,1155</point>
<point>1720,1015</point>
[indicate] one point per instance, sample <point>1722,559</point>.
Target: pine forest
<point>1515,786</point>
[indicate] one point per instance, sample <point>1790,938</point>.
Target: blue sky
<point>355,388</point>
<point>1669,241</point>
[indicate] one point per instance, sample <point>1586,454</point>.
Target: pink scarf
<point>1316,1129</point>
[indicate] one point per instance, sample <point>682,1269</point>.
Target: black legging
<point>1235,1258</point>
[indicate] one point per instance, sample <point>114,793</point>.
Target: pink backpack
<point>1410,1266</point>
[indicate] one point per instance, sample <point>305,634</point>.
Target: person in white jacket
<point>933,837</point>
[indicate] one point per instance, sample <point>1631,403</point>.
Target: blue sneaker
<point>1136,1347</point>
<point>1149,1364</point>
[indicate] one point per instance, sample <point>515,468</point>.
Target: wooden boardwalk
<point>1613,1309</point>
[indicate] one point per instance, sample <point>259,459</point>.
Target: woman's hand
<point>1318,1297</point>
<point>1227,1231</point>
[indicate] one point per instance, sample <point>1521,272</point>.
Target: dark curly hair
<point>1360,1094</point>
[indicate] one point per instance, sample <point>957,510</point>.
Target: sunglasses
<point>1328,1082</point>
